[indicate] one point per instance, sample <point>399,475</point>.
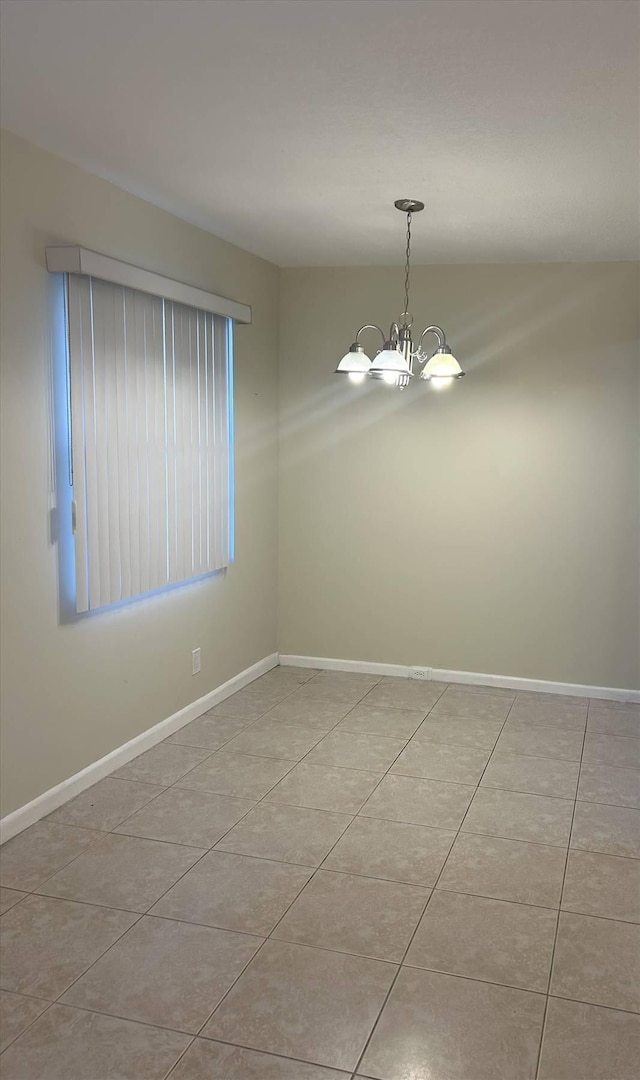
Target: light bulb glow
<point>442,365</point>
<point>390,377</point>
<point>356,376</point>
<point>354,363</point>
<point>389,362</point>
<point>440,381</point>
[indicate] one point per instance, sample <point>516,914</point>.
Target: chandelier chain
<point>406,270</point>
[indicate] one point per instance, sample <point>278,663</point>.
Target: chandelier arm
<point>439,333</point>
<point>370,326</point>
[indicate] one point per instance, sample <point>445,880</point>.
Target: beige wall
<point>71,693</point>
<point>491,526</point>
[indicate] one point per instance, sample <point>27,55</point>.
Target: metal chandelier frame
<point>394,362</point>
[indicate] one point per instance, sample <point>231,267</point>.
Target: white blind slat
<point>76,299</point>
<point>156,452</point>
<point>121,440</point>
<point>130,379</point>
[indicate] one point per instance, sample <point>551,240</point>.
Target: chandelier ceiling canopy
<point>394,362</point>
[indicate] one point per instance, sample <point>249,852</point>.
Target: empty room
<point>320,549</point>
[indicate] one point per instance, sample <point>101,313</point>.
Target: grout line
<point>178,1059</point>
<point>267,1053</point>
<point>328,870</point>
<point>555,936</point>
<point>516,839</point>
<point>30,1025</point>
<point>310,879</point>
<point>402,962</point>
<point>609,765</point>
<point>599,802</point>
<point>118,1016</point>
<point>101,836</point>
<point>141,915</point>
<point>431,889</point>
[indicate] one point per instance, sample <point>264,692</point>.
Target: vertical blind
<point>151,423</point>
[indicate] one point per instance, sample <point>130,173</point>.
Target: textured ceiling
<point>290,126</point>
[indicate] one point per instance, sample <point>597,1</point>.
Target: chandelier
<point>393,363</point>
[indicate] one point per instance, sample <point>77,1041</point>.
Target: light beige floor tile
<point>303,674</point>
<point>355,915</point>
<point>555,715</point>
<point>181,816</point>
<point>614,722</point>
<point>539,697</point>
<point>305,1003</point>
<point>70,1044</point>
<point>611,750</point>
<point>485,939</point>
<point>30,858</point>
<point>340,686</point>
<point>505,870</point>
<point>605,885</point>
<point>353,750</point>
<point>613,830</point>
<point>16,1014</point>
<point>585,1042</point>
<point>397,693</point>
<point>106,804</point>
<point>325,787</point>
<point>440,761</point>
<point>607,784</point>
<point>234,892</point>
<point>162,764</point>
<point>241,775</point>
<point>440,1026</point>
<point>376,720</point>
<point>475,688</point>
<point>209,732</point>
<point>462,704</point>
<point>47,943</point>
<point>537,776</point>
<point>597,960</point>
<point>249,704</point>
<point>207,1060</point>
<point>631,708</point>
<point>541,742</point>
<point>313,713</point>
<point>286,833</point>
<point>277,679</point>
<point>123,872</point>
<point>168,973</point>
<point>420,802</point>
<point>9,897</point>
<point>274,739</point>
<point>393,850</point>
<point>518,816</point>
<point>456,731</point>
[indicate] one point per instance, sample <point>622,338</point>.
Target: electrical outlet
<point>419,673</point>
<point>195,661</point>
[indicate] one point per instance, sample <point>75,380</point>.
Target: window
<point>151,427</point>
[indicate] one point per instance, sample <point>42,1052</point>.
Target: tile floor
<point>332,876</point>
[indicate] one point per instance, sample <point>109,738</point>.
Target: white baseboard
<point>510,682</point>
<point>53,798</point>
<point>329,664</point>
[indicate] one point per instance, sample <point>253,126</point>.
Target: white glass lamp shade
<point>442,365</point>
<point>389,364</point>
<point>354,363</point>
